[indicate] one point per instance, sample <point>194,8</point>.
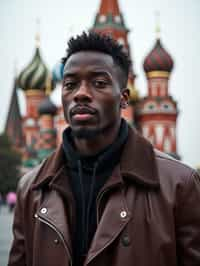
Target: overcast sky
<point>179,20</point>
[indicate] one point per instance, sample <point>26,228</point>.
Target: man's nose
<point>83,93</point>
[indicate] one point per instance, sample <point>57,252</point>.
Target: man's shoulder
<point>27,180</point>
<point>171,167</point>
<point>42,172</point>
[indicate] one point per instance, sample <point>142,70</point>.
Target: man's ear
<point>124,98</point>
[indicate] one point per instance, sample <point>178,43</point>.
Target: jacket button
<point>56,241</point>
<point>123,214</point>
<point>43,210</point>
<point>126,241</point>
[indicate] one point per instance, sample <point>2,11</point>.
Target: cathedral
<point>37,133</point>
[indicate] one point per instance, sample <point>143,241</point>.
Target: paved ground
<point>5,234</point>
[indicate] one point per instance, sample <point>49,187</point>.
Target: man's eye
<point>100,83</point>
<point>69,85</point>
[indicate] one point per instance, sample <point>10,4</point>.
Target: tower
<point>35,81</point>
<point>156,113</point>
<point>109,20</point>
<point>47,132</point>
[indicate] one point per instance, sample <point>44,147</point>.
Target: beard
<point>86,133</point>
<point>90,133</point>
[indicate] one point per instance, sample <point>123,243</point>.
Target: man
<point>105,196</point>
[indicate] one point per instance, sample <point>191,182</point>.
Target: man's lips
<point>82,117</point>
<point>82,112</point>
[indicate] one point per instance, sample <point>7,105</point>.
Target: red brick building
<point>38,132</point>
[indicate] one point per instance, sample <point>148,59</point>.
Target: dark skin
<point>92,97</point>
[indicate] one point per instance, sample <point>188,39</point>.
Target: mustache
<point>82,109</point>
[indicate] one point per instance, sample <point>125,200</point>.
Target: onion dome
<point>57,72</point>
<point>47,107</point>
<point>158,59</point>
<point>36,75</point>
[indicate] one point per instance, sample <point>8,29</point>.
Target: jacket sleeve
<point>17,252</point>
<point>188,222</point>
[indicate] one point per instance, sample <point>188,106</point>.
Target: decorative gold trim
<point>158,74</point>
<point>35,92</point>
<point>45,116</point>
<point>48,85</point>
<point>133,92</point>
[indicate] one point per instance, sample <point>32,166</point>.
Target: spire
<point>15,72</point>
<point>109,19</point>
<point>37,35</point>
<point>109,7</point>
<point>157,20</point>
<point>13,126</point>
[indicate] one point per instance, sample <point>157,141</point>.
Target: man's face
<point>91,93</point>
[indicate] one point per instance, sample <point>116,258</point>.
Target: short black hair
<point>93,41</point>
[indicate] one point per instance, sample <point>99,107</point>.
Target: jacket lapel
<point>57,205</point>
<point>53,211</point>
<point>114,218</point>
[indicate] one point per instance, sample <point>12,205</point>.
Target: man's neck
<point>94,145</point>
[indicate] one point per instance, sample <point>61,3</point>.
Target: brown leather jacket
<point>148,213</point>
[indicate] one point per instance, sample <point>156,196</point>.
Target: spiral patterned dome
<point>47,107</point>
<point>158,59</point>
<point>36,75</point>
<point>57,72</point>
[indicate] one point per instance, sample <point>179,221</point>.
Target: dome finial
<point>157,19</point>
<point>37,35</point>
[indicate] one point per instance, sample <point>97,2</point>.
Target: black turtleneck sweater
<point>88,174</point>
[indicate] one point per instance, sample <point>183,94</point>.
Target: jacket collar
<point>52,169</point>
<point>137,163</point>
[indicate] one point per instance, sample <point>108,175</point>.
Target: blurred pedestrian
<point>11,200</point>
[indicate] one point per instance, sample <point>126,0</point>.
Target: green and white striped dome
<point>36,75</point>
